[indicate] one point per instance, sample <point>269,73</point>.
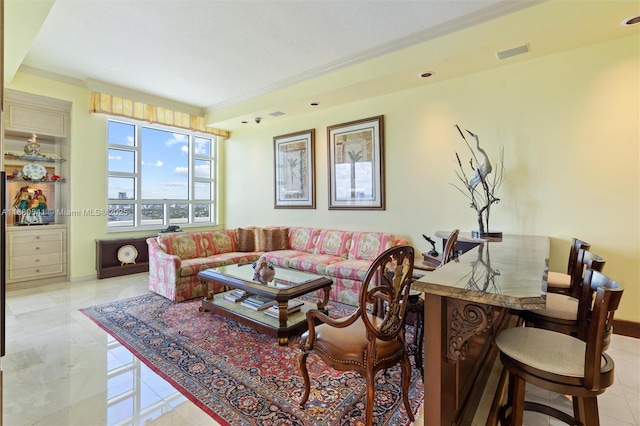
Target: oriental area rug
<point>240,376</point>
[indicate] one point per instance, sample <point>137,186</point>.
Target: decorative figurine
<point>33,146</point>
<point>21,200</point>
<point>433,252</point>
<point>263,270</point>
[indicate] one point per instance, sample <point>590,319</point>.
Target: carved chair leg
<point>302,366</point>
<point>406,380</point>
<point>370,379</point>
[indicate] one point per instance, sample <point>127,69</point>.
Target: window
<point>159,176</point>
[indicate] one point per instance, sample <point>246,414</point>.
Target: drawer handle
<point>37,237</point>
<point>37,260</point>
<point>37,271</point>
<point>37,248</point>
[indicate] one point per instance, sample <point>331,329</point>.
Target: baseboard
<point>626,328</point>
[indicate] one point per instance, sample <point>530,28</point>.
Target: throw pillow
<point>245,239</point>
<point>258,239</point>
<point>276,239</point>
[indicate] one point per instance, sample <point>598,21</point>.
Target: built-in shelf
<point>107,263</point>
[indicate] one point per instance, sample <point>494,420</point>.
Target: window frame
<point>117,206</point>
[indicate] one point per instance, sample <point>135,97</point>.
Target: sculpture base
<point>490,235</point>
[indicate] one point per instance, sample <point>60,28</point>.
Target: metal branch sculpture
<point>481,188</point>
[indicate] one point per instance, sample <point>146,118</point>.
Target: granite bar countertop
<point>508,273</point>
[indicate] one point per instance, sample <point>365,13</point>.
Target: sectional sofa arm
<point>160,257</point>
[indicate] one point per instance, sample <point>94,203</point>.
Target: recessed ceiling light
<point>631,20</point>
<point>314,103</point>
<point>426,74</point>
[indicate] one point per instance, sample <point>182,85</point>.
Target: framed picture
<point>294,159</point>
<point>356,164</point>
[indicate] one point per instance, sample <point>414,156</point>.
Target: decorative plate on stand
<point>34,171</point>
<point>127,254</point>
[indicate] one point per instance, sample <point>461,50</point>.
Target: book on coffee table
<point>235,295</point>
<point>294,305</point>
<point>257,303</point>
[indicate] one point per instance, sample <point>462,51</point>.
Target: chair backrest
<point>584,260</point>
<point>449,253</point>
<point>576,246</point>
<point>387,283</point>
<point>599,318</point>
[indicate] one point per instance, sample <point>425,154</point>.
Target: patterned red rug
<point>240,376</point>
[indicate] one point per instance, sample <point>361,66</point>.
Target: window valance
<point>115,105</point>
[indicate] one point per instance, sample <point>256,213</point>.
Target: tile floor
<point>61,369</point>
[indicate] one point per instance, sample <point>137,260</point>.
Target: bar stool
<point>561,311</point>
<point>561,363</point>
<point>559,282</point>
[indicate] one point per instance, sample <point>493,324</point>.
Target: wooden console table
<point>467,302</point>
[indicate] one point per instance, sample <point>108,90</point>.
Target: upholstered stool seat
<point>559,306</point>
<point>546,353</point>
<point>562,310</point>
<point>558,280</point>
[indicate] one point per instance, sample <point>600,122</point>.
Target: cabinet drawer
<point>36,249</point>
<point>33,237</point>
<point>43,259</point>
<point>36,272</point>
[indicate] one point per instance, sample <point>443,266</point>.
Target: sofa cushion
<point>335,243</point>
<point>314,263</point>
<point>190,245</point>
<point>304,239</point>
<point>283,258</point>
<point>353,269</point>
<point>218,241</point>
<point>245,239</point>
<point>181,244</point>
<point>369,245</point>
<point>193,266</point>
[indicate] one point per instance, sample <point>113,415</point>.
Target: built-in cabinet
<point>35,159</point>
<point>36,255</point>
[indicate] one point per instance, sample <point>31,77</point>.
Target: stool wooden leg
<point>517,390</point>
<point>585,411</point>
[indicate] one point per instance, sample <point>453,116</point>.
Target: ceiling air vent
<point>276,114</point>
<point>513,52</point>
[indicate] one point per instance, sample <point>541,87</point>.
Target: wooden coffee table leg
<point>322,304</point>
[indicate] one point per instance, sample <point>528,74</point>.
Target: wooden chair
<point>364,342</point>
<point>449,253</point>
<point>561,311</point>
<point>561,363</point>
<point>559,282</point>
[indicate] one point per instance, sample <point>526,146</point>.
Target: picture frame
<point>294,177</point>
<point>356,164</point>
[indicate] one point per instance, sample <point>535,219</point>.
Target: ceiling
<point>235,60</point>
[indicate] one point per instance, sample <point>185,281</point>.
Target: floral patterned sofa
<point>343,256</point>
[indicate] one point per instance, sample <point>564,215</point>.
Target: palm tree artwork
<point>293,162</point>
<point>354,157</point>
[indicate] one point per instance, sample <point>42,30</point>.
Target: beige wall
<point>570,127</point>
<point>569,123</point>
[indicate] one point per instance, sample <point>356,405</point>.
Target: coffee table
<point>287,284</point>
